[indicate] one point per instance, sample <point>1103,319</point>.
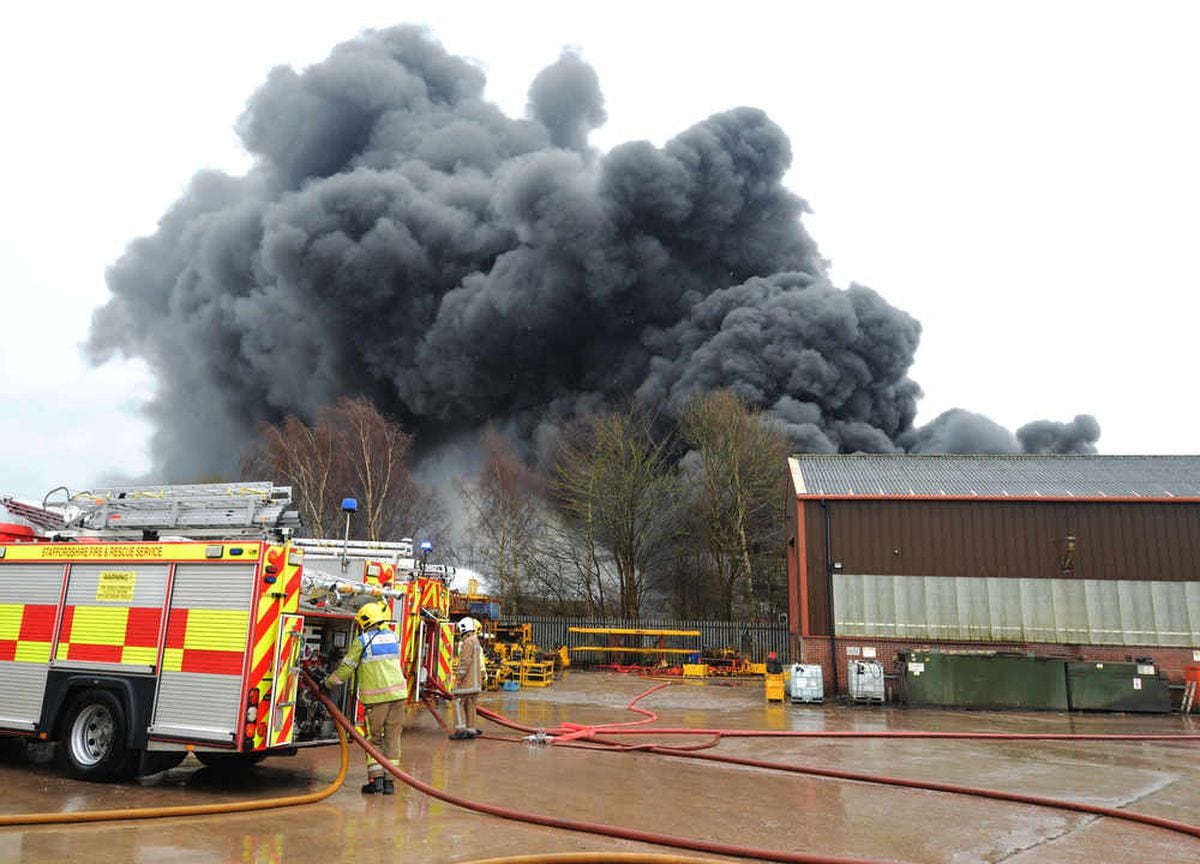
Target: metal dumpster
<point>1106,686</point>
<point>984,679</point>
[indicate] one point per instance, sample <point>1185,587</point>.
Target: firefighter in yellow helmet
<point>374,659</point>
<point>468,680</point>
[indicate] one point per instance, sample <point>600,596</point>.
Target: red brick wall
<point>816,649</point>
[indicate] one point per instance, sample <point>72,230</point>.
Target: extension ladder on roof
<point>193,510</point>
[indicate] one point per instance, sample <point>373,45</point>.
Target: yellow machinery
<point>514,659</point>
<point>728,662</point>
<point>536,673</point>
<point>613,635</point>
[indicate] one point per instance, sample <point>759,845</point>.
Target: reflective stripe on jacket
<point>376,656</point>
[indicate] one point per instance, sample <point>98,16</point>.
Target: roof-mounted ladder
<point>192,510</point>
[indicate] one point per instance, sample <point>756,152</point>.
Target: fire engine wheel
<point>230,762</point>
<point>94,744</point>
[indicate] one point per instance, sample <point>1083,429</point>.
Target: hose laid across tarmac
<point>187,809</point>
<point>576,824</point>
<point>571,732</point>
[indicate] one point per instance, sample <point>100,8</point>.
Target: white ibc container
<point>805,683</point>
<point>864,681</point>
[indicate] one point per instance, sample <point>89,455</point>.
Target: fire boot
<point>389,788</point>
<point>372,786</point>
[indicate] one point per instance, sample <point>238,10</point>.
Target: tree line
<point>620,514</point>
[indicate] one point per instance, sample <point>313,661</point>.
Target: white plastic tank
<point>805,683</point>
<point>864,681</point>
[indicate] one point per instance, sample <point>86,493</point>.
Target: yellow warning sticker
<point>116,585</point>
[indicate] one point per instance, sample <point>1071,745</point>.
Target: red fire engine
<point>131,648</point>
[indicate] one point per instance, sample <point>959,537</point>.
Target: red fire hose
<point>568,733</point>
<point>576,824</point>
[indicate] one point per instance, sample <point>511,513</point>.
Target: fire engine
<point>141,623</point>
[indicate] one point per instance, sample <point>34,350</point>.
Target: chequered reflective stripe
<point>206,640</point>
<point>26,632</point>
<point>110,634</point>
<point>291,638</point>
<point>445,649</point>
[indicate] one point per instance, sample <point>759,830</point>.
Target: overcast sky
<point>1022,178</point>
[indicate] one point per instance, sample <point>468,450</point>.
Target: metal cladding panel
<point>193,704</point>
<point>1024,476</point>
<point>213,586</point>
<point>1073,541</point>
<point>30,583</point>
<point>149,586</point>
<point>21,695</point>
<point>1095,611</point>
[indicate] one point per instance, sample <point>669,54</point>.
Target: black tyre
<point>230,762</point>
<point>93,739</point>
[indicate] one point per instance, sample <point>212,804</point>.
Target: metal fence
<point>751,640</point>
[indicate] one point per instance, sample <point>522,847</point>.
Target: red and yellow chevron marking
<point>273,600</point>
<point>110,634</point>
<point>26,632</point>
<point>291,640</point>
<point>435,596</point>
<point>445,652</point>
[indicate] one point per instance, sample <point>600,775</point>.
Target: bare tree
<point>307,458</point>
<point>615,483</point>
<point>504,501</point>
<point>569,568</point>
<point>738,476</point>
<point>349,450</point>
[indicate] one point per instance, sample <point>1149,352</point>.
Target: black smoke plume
<point>399,237</point>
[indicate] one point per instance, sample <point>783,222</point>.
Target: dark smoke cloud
<point>401,238</point>
<point>959,431</point>
<point>1047,437</point>
<point>565,98</point>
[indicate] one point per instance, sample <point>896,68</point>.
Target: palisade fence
<point>751,640</point>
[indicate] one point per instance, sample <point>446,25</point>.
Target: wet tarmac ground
<point>731,804</point>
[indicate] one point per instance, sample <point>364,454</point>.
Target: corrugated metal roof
<point>1023,477</point>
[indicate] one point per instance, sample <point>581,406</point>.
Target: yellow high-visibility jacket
<point>376,656</point>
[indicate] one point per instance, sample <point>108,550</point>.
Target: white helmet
<point>467,625</point>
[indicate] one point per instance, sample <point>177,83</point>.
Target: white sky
<point>1022,177</point>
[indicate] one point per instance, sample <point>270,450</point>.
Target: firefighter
<point>374,659</point>
<point>468,680</point>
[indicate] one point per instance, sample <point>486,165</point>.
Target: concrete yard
<point>730,804</point>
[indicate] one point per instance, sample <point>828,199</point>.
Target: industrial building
<point>1088,558</point>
